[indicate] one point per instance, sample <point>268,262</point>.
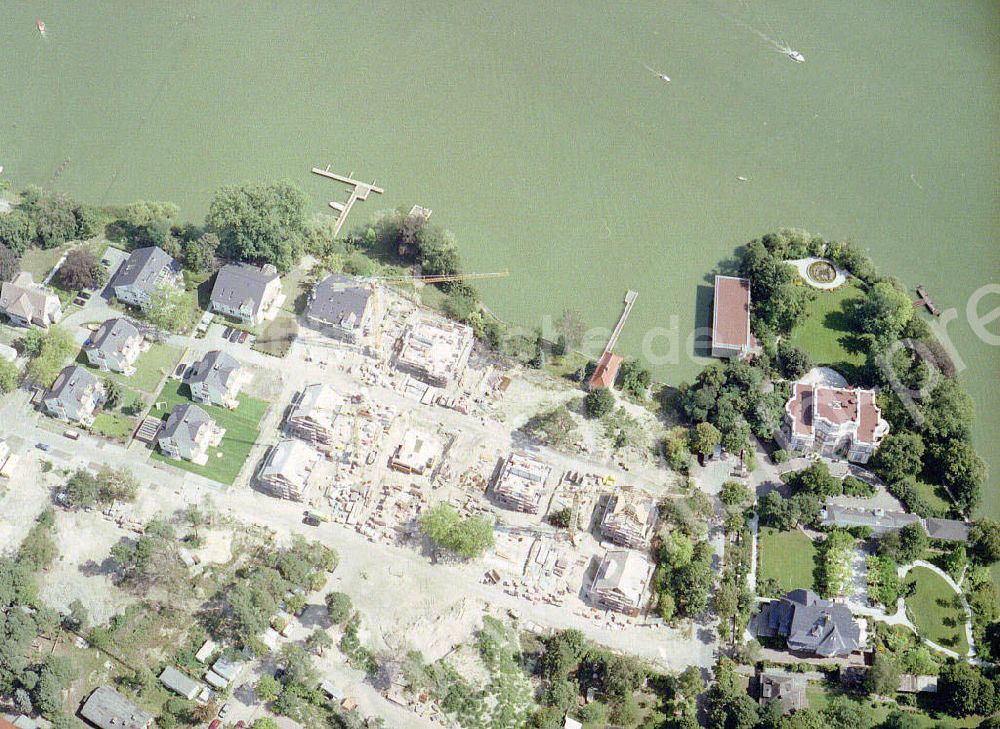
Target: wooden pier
<point>359,191</point>
<point>925,301</point>
<point>630,298</point>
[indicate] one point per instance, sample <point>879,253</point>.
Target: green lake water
<point>535,132</point>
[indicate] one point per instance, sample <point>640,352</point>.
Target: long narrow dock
<point>630,298</point>
<point>359,191</point>
<point>926,301</point>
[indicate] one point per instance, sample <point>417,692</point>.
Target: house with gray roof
<point>246,292</point>
<point>789,689</point>
<point>338,306</point>
<point>115,346</point>
<point>105,708</point>
<point>179,683</point>
<point>74,396</point>
<point>144,271</point>
<point>25,303</point>
<point>948,530</point>
<point>217,379</point>
<point>810,624</point>
<point>878,520</point>
<point>188,434</point>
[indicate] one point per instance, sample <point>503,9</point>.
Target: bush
<point>779,456</point>
<point>599,403</point>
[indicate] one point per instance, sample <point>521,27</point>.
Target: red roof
<point>606,372</point>
<point>731,315</point>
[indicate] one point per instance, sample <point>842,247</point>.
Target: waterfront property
<point>314,414</point>
<point>811,625</point>
<point>629,519</point>
<point>74,396</point>
<point>217,379</point>
<point>115,346</point>
<point>731,335</point>
<point>606,372</point>
<point>26,303</point>
<point>250,294</point>
<point>520,485</point>
<point>286,470</point>
<point>418,453</point>
<point>339,307</point>
<point>433,349</point>
<point>145,270</point>
<point>620,581</point>
<point>188,434</point>
<point>832,421</point>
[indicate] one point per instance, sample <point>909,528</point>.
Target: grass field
<point>826,334</point>
<point>936,496</point>
<point>788,557</point>
<point>932,609</point>
<point>113,425</point>
<point>150,369</point>
<point>242,430</point>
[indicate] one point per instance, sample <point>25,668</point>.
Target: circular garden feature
<point>822,272</point>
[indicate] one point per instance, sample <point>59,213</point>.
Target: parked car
<point>226,332</point>
<point>43,446</point>
<point>234,337</point>
<point>243,337</point>
<point>216,723</point>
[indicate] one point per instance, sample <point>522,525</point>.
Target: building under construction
<point>313,416</point>
<point>520,485</point>
<point>418,453</point>
<point>433,349</point>
<point>629,519</point>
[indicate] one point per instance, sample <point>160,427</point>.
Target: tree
<point>260,222</point>
<point>467,538</point>
<point>984,540</point>
<point>598,403</point>
<point>816,479</point>
<point>962,472</point>
<point>634,378</point>
<point>555,427</point>
<point>112,394</point>
<point>736,496</point>
<point>267,689</point>
<point>116,485</point>
<point>78,619</point>
<point>170,309</point>
<point>675,448</point>
<point>704,438</point>
<point>845,713</point>
<point>10,263</point>
<point>948,412</point>
<point>794,362</point>
<point>298,664</point>
<point>884,311</point>
<point>899,456</point>
<point>265,722</point>
<point>9,375</point>
<point>338,607</point>
<point>904,545</point>
<point>54,347</point>
<point>882,678</point>
<point>17,231</point>
<point>965,690</point>
<point>199,253</point>
<point>563,652</point>
<point>55,222</point>
<point>80,270</point>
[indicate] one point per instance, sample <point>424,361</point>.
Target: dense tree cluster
<point>80,270</point>
<point>49,350</point>
<point>467,538</point>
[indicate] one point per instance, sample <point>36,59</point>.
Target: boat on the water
<point>795,55</point>
<point>41,26</point>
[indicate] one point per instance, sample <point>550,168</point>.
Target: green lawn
<point>826,334</point>
<point>150,369</point>
<point>113,425</point>
<point>932,609</point>
<point>819,694</point>
<point>242,430</point>
<point>936,496</point>
<point>788,557</point>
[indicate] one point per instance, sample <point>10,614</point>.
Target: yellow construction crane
<point>440,279</point>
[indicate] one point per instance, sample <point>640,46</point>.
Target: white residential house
<point>143,272</point>
<point>339,307</point>
<point>188,434</point>
<point>287,468</point>
<point>836,422</point>
<point>250,294</point>
<point>217,379</point>
<point>26,303</point>
<point>115,346</point>
<point>74,396</point>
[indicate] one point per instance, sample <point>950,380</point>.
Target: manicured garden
<point>826,333</point>
<point>786,557</point>
<point>934,609</point>
<point>242,429</point>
